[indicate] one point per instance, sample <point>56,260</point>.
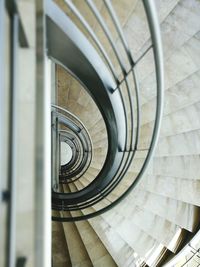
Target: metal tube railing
<point>70,140</point>
<point>131,146</point>
<point>128,89</point>
<point>74,117</point>
<point>13,143</point>
<point>93,36</point>
<point>119,30</point>
<point>107,33</point>
<point>131,61</point>
<point>77,146</point>
<point>85,144</point>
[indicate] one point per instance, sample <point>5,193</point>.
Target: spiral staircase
<point>156,219</point>
<point>122,104</point>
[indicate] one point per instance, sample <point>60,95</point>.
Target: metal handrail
<point>132,147</point>
<point>93,36</point>
<point>119,30</point>
<point>188,253</point>
<point>70,140</point>
<point>107,33</point>
<point>83,136</point>
<point>75,118</point>
<point>81,166</point>
<point>68,178</point>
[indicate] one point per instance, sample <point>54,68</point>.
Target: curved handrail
<point>96,79</point>
<point>84,138</point>
<point>93,36</point>
<point>74,117</point>
<point>70,140</point>
<point>158,58</point>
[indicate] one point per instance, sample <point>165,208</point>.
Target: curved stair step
<point>106,234</point>
<point>179,189</point>
<point>96,250</point>
<point>78,253</point>
<point>60,253</point>
<point>181,95</point>
<point>181,213</point>
<point>183,167</point>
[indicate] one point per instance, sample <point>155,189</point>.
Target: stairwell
<point>161,215</point>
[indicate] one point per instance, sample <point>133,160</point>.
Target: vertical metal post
<point>55,151</point>
<point>2,89</point>
<point>4,124</point>
<point>57,159</point>
<point>13,142</point>
<point>43,145</point>
<point>52,150</point>
<point>59,166</point>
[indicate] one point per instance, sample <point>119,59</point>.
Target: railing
<point>66,127</point>
<point>130,98</point>
<point>189,255</point>
<point>194,259</point>
<point>76,148</point>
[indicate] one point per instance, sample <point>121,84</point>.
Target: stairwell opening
<point>65,153</point>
